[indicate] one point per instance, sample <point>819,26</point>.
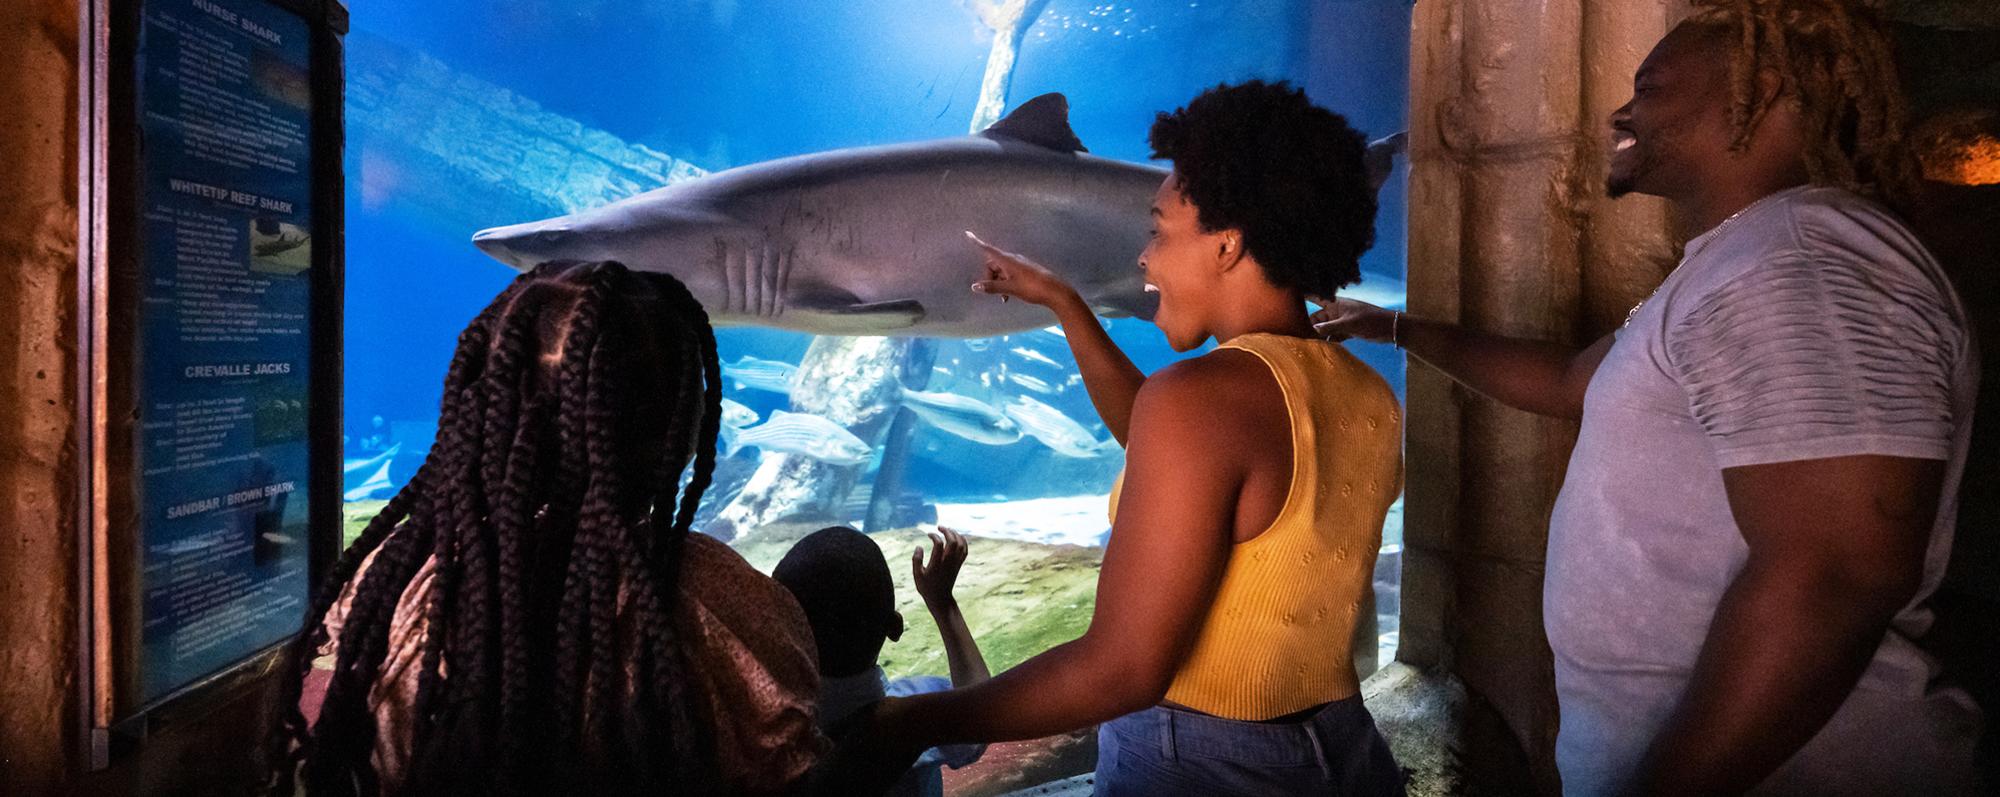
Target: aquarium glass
<point>467,115</point>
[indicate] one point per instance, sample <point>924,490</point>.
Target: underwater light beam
<point>1009,21</point>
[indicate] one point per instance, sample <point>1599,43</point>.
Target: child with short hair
<point>841,579</point>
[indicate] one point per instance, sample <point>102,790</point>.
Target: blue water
<point>725,83</point>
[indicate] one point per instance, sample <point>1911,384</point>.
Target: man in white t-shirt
<point>1762,494</point>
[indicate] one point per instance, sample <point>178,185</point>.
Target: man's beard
<point>1645,161</point>
<point>1617,186</point>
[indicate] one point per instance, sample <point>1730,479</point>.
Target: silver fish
<point>1055,430</point>
<point>757,374</point>
<point>1032,383</point>
<point>737,415</point>
<point>1031,355</point>
<point>963,416</point>
<point>365,478</point>
<point>805,435</point>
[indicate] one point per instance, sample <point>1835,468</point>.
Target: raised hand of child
<point>934,582</point>
<point>935,579</point>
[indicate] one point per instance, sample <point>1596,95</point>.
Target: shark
<point>871,240</point>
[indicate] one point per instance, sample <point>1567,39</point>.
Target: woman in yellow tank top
<point>1257,477</point>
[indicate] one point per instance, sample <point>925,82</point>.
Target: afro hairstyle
<point>1262,159</point>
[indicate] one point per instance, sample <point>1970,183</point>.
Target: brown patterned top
<point>751,649</point>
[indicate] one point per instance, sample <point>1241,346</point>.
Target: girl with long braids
<point>530,614</point>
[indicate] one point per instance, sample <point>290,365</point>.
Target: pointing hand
<point>1010,275</point>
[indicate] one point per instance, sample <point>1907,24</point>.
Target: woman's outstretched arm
<point>1108,375</point>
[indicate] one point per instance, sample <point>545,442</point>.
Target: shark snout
<point>524,245</point>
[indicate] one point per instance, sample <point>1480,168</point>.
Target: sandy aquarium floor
<point>1028,584</point>
<point>1019,597</point>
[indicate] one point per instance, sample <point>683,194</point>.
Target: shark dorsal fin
<point>1042,121</point>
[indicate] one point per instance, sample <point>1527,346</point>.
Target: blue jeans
<point>1164,752</point>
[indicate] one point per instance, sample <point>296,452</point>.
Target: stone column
<point>38,523</point>
<point>1509,234</point>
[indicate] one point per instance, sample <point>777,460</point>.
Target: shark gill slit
<point>746,265</point>
<point>784,279</point>
<point>728,283</point>
<point>768,307</point>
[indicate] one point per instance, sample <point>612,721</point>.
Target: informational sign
<point>223,348</point>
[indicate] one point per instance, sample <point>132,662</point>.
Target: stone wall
<point>37,398</point>
<point>1510,233</point>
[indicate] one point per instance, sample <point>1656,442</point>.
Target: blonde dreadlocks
<point>1837,61</point>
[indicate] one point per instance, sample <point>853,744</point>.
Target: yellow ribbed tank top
<point>1278,637</point>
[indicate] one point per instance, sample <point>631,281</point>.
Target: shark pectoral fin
<point>870,318</point>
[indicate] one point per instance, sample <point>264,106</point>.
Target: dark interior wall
<point>1951,58</point>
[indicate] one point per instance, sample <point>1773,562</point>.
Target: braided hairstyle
<point>552,512</point>
<point>1837,59</point>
